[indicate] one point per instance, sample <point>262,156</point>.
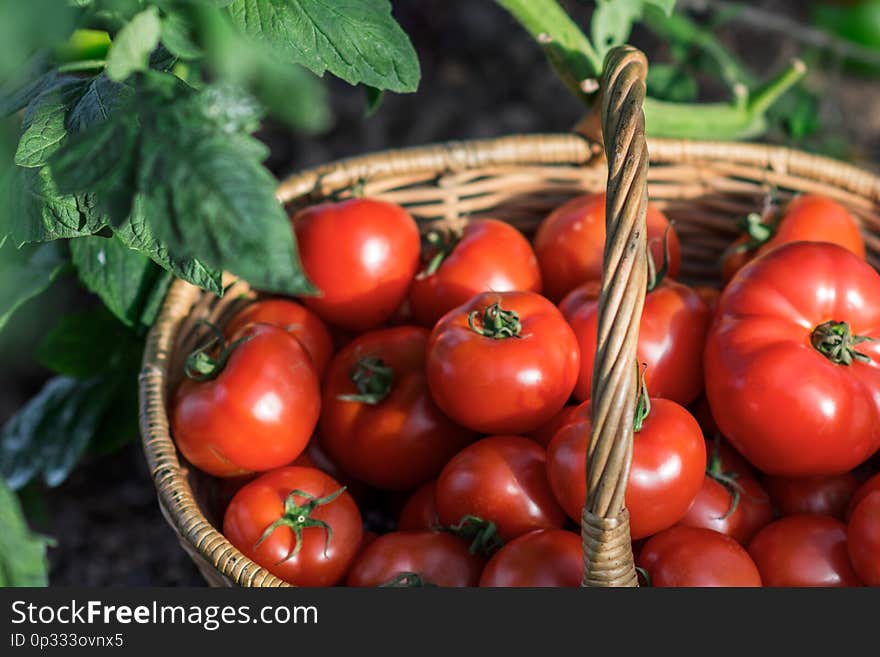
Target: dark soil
<point>482,77</point>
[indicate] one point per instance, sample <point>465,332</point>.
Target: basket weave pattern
<point>704,187</point>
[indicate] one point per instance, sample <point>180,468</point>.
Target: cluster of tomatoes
<point>425,419</point>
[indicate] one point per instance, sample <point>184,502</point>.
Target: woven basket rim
<point>169,476</point>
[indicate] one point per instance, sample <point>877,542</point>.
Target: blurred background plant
<point>141,141</point>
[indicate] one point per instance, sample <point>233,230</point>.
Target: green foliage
<point>130,50</point>
<point>22,553</point>
<point>25,273</point>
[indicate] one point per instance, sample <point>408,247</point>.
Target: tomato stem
<point>298,517</point>
<point>835,340</point>
<point>200,366</point>
<point>656,276</point>
<point>483,535</point>
<point>373,379</point>
<point>643,404</point>
<point>407,580</point>
<point>645,576</point>
<point>438,244</point>
<point>497,323</point>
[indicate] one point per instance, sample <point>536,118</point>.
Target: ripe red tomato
<point>489,255</point>
<point>258,411</point>
<point>542,558</point>
<point>776,359</point>
<point>808,218</point>
<point>297,320</point>
<point>435,558</point>
<point>803,550</point>
<point>873,484</point>
<point>672,333</point>
<point>545,433</point>
<point>420,510</point>
<point>863,539</point>
<point>378,421</point>
<point>500,479</point>
<point>361,254</point>
<point>735,506</point>
<point>298,523</point>
<point>824,495</point>
<point>708,294</point>
<point>694,556</point>
<point>502,363</point>
<point>313,456</point>
<point>570,243</point>
<point>667,471</point>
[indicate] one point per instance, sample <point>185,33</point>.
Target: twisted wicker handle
<point>608,559</point>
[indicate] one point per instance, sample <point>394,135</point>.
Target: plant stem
<point>84,65</point>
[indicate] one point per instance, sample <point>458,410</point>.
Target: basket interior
<point>704,196</point>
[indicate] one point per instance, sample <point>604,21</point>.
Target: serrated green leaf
<point>22,553</point>
<point>43,132</point>
<point>18,97</point>
<point>178,38</point>
<point>50,433</point>
<point>127,281</point>
<point>131,48</point>
<point>83,345</point>
<point>101,97</point>
<point>26,273</point>
<point>356,40</point>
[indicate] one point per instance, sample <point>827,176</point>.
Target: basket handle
<point>608,558</point>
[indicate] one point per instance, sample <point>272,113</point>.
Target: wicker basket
<point>703,186</point>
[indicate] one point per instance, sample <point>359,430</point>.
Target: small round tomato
<point>297,320</point>
<point>791,381</point>
<point>503,362</point>
<point>420,510</point>
<point>694,556</point>
<point>378,421</point>
<point>570,243</point>
<point>730,460</point>
<point>414,558</point>
<point>545,433</point>
<point>807,218</point>
<point>863,539</point>
<point>803,550</point>
<point>823,495</point>
<point>487,255</point>
<point>361,254</point>
<point>873,484</point>
<point>667,471</point>
<point>542,558</point>
<point>500,480</point>
<point>731,505</point>
<point>672,333</point>
<point>252,408</point>
<point>298,523</point>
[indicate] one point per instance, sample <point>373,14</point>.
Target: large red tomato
<point>420,510</point>
<point>545,433</point>
<point>297,320</point>
<point>672,334</point>
<point>803,550</point>
<point>298,523</point>
<point>808,218</point>
<point>667,471</point>
<point>503,362</point>
<point>824,495</point>
<point>361,254</point>
<point>694,556</point>
<point>500,480</point>
<point>488,255</point>
<point>570,243</point>
<point>790,383</point>
<point>863,539</point>
<point>255,411</point>
<point>542,558</point>
<point>416,558</point>
<point>378,421</point>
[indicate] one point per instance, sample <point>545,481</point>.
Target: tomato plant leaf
<point>131,48</point>
<point>374,100</point>
<point>665,5</point>
<point>101,97</point>
<point>22,553</point>
<point>356,40</point>
<point>177,37</point>
<point>26,273</point>
<point>43,131</point>
<point>50,433</point>
<point>128,282</point>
